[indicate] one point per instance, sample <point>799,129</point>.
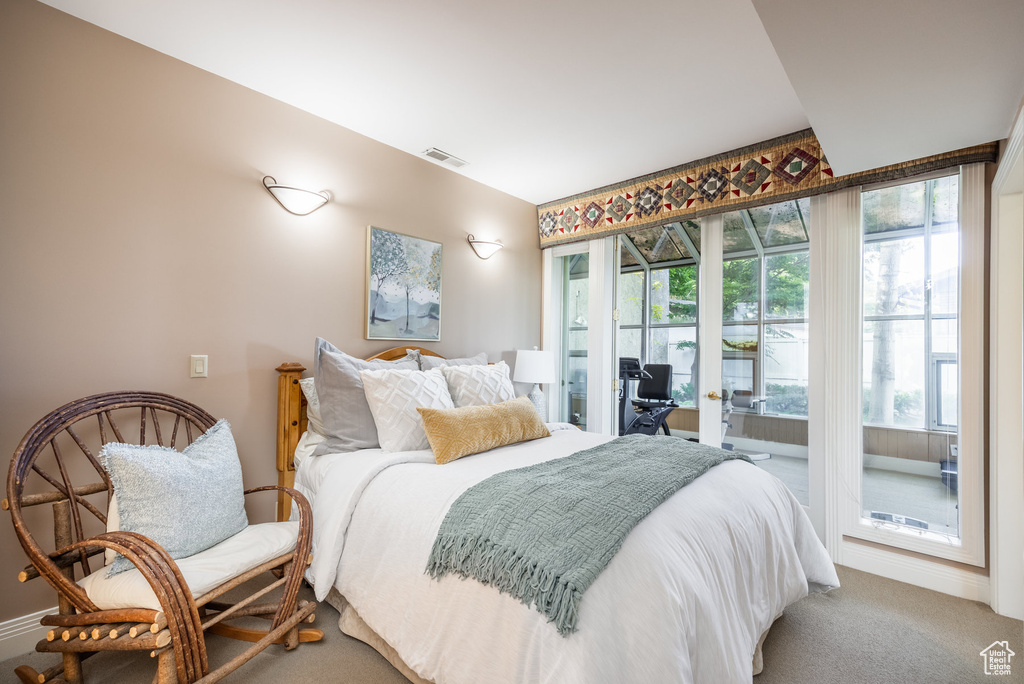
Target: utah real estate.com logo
<point>997,658</point>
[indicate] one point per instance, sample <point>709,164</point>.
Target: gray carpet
<point>871,630</point>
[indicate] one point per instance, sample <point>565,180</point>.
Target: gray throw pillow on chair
<point>348,423</point>
<point>186,501</point>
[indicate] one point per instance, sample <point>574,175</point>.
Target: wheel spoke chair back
<point>57,463</point>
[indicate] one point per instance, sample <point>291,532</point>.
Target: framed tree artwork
<point>403,288</point>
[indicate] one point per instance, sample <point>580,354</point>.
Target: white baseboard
<point>935,576</point>
<point>20,635</point>
<point>774,448</point>
<point>902,465</point>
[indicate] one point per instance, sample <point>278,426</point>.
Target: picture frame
<point>403,287</point>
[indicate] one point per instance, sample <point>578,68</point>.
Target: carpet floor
<point>870,630</point>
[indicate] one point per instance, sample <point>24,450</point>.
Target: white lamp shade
<point>534,366</point>
<point>296,200</point>
<point>485,249</point>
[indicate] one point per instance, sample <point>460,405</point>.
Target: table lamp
<point>536,367</point>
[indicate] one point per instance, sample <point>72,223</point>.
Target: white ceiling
<point>885,81</point>
<point>548,99</point>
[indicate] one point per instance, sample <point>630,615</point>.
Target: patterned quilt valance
<point>785,168</point>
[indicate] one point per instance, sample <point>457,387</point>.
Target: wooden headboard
<point>291,418</point>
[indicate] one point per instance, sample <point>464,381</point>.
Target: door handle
<point>713,395</point>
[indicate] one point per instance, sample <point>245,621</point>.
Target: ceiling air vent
<point>444,157</point>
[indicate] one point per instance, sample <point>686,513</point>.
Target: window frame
<point>844,501</point>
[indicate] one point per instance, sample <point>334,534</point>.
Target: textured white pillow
<point>479,385</point>
<point>394,396</point>
<point>315,422</point>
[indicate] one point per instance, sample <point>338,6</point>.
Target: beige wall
<point>135,232</point>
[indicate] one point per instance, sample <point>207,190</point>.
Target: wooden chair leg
<point>291,640</point>
<point>166,668</point>
<point>73,668</point>
<point>62,536</point>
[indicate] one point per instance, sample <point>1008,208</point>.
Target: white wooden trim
<point>1006,441</point>
<point>835,434</point>
<point>817,490</point>
<point>909,466</point>
<point>21,634</point>
<point>971,467</point>
<point>921,573</point>
<point>569,249</point>
<point>709,329</point>
<point>1011,153</point>
<point>550,308</point>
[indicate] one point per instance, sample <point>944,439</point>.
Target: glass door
<point>656,300</point>
<point>765,341</point>
<point>911,384</point>
<point>575,270</point>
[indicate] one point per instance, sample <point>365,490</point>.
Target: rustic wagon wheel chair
<point>51,462</point>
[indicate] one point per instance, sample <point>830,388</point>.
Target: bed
<point>689,597</point>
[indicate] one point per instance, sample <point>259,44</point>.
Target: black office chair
<point>653,402</point>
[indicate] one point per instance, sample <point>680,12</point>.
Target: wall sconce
<point>484,249</point>
<point>296,200</point>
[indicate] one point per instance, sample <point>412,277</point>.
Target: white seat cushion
<point>254,545</point>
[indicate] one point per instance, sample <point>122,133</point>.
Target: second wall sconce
<point>484,249</point>
<point>296,200</point>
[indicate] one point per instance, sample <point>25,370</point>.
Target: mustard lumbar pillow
<point>454,433</point>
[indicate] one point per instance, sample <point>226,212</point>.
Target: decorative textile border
<point>776,170</point>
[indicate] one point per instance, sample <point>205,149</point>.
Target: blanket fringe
<point>509,572</point>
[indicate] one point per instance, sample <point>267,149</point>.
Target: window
<point>764,304</point>
<point>765,279</point>
<point>765,338</point>
<point>911,267</point>
<point>901,276</point>
<point>575,334</point>
<point>657,301</point>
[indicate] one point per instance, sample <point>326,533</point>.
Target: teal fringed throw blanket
<point>544,533</point>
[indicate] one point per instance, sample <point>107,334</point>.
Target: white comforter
<point>685,599</point>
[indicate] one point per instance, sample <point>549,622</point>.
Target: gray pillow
<point>428,362</point>
<point>348,423</point>
<point>185,501</point>
<point>313,421</point>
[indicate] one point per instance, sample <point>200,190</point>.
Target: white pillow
<point>430,362</point>
<point>479,385</point>
<point>306,445</point>
<point>316,423</point>
<point>394,396</point>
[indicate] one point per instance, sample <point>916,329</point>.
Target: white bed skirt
<point>352,625</point>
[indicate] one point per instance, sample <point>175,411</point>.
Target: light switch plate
<point>199,365</point>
